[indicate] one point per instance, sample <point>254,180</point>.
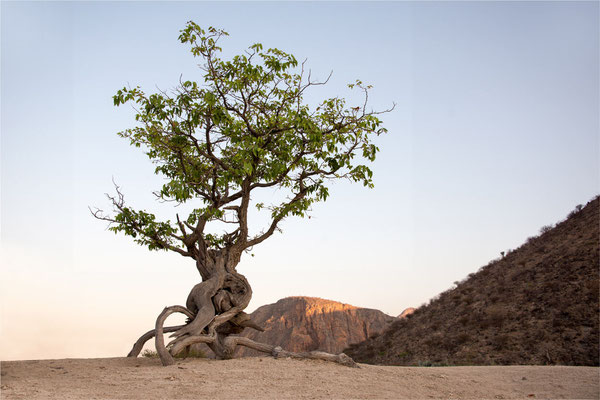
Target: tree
<point>246,129</point>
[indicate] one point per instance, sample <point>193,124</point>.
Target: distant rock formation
<point>308,323</point>
<point>406,312</point>
<point>537,304</point>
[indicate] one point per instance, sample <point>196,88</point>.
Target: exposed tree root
<point>178,345</point>
<point>215,316</point>
<point>230,342</point>
<point>220,342</point>
<point>165,356</point>
<point>139,345</point>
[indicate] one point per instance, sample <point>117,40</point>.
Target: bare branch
<point>119,203</point>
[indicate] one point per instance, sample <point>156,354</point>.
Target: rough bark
<point>215,311</point>
<point>165,357</point>
<point>200,302</point>
<point>139,345</point>
<point>230,342</point>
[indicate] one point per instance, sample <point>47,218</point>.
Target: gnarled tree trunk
<point>215,311</point>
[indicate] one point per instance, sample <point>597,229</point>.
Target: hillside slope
<point>537,305</point>
<point>308,323</point>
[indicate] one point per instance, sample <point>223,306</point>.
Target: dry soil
<point>267,378</point>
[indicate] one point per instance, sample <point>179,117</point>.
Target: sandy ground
<point>143,378</point>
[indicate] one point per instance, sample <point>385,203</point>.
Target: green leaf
<point>244,124</point>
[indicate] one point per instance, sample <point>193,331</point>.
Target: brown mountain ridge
<point>309,323</point>
<point>538,304</point>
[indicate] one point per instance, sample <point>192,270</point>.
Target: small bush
<point>496,316</point>
<point>467,299</point>
<point>193,353</point>
<point>500,341</point>
<point>463,338</point>
<point>545,228</point>
<point>149,354</point>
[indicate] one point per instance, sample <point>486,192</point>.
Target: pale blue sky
<point>495,133</point>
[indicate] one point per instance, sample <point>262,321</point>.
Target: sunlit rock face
<point>308,323</point>
<point>406,312</point>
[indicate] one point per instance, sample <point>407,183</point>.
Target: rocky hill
<point>309,323</point>
<point>538,304</point>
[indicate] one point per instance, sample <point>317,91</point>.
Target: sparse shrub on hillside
<point>467,299</point>
<point>456,298</point>
<point>483,323</point>
<point>500,341</point>
<point>449,344</point>
<point>433,299</point>
<point>552,286</point>
<point>592,288</point>
<point>403,354</point>
<point>578,208</point>
<point>463,338</point>
<point>433,341</point>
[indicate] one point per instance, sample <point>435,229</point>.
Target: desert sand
<point>144,378</point>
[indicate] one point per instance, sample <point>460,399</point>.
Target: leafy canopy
<point>245,127</point>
